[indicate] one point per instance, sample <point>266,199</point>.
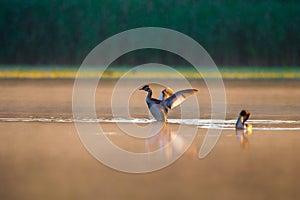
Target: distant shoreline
<point>116,72</point>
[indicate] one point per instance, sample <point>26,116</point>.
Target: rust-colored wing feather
<point>178,97</point>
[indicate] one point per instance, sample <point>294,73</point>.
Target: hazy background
<point>35,32</point>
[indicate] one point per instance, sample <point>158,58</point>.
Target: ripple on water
<point>267,125</point>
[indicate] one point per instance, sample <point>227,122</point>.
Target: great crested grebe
<point>159,108</point>
<point>242,118</point>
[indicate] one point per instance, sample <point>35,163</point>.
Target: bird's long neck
<point>148,97</point>
<point>149,94</point>
<point>240,123</point>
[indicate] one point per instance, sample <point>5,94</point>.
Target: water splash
<point>263,125</point>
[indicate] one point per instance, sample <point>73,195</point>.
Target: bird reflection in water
<point>242,135</point>
<point>168,141</point>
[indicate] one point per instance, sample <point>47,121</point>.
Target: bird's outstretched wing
<point>178,97</point>
<point>165,93</point>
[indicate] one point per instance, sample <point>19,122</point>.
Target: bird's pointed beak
<point>141,88</point>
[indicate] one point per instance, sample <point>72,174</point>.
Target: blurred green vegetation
<point>233,32</point>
